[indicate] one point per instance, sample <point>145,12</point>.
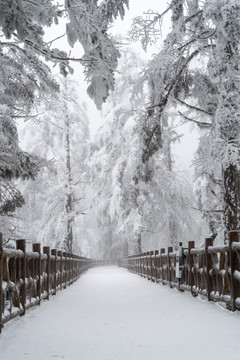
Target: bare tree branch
<point>199,123</point>
<point>194,107</point>
<point>208,211</point>
<point>145,28</point>
<point>59,37</point>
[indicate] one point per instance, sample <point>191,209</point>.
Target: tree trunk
<point>69,200</point>
<point>138,248</point>
<point>231,197</point>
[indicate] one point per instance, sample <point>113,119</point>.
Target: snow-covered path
<point>110,314</point>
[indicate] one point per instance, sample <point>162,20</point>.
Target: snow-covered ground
<point>110,314</point>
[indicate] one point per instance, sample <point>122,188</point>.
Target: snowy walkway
<point>110,314</point>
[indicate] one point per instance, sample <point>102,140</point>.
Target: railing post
<point>233,237</point>
<point>37,248</point>
<point>151,264</point>
<point>76,266</point>
<point>140,265</point>
<point>69,268</point>
<point>1,280</point>
<point>145,264</point>
<point>191,245</point>
<point>162,251</point>
<point>79,265</point>
<point>46,250</point>
<point>170,249</point>
<point>208,262</point>
<point>156,264</point>
<point>148,265</point>
<point>65,269</point>
<point>12,268</point>
<point>72,269</point>
<point>59,253</point>
<point>21,245</point>
<point>54,253</point>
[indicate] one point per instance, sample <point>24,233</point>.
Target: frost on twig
<point>147,29</point>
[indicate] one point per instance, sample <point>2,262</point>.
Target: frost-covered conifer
<point>14,164</point>
<point>197,72</point>
<point>26,80</point>
<point>223,69</point>
<point>112,161</point>
<point>133,214</point>
<point>88,23</point>
<point>54,201</point>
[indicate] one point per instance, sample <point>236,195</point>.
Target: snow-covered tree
<point>196,72</point>
<point>14,164</point>
<point>23,77</point>
<point>88,23</point>
<point>112,159</point>
<point>135,214</point>
<point>223,69</point>
<point>22,25</point>
<point>26,80</point>
<point>58,192</point>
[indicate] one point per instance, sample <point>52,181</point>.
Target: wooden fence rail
<point>28,277</point>
<point>212,271</point>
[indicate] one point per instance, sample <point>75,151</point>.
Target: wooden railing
<point>212,271</point>
<point>28,277</point>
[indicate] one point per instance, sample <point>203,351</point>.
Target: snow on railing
<point>28,277</point>
<point>211,271</point>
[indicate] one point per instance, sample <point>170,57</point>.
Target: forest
<point>120,192</point>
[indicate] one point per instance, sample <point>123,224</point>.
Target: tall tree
<point>224,72</point>
<point>14,164</point>
<point>112,162</point>
<point>26,80</point>
<point>205,92</point>
<point>134,214</point>
<point>58,191</point>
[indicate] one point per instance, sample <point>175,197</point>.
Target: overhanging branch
<point>199,123</point>
<point>194,107</point>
